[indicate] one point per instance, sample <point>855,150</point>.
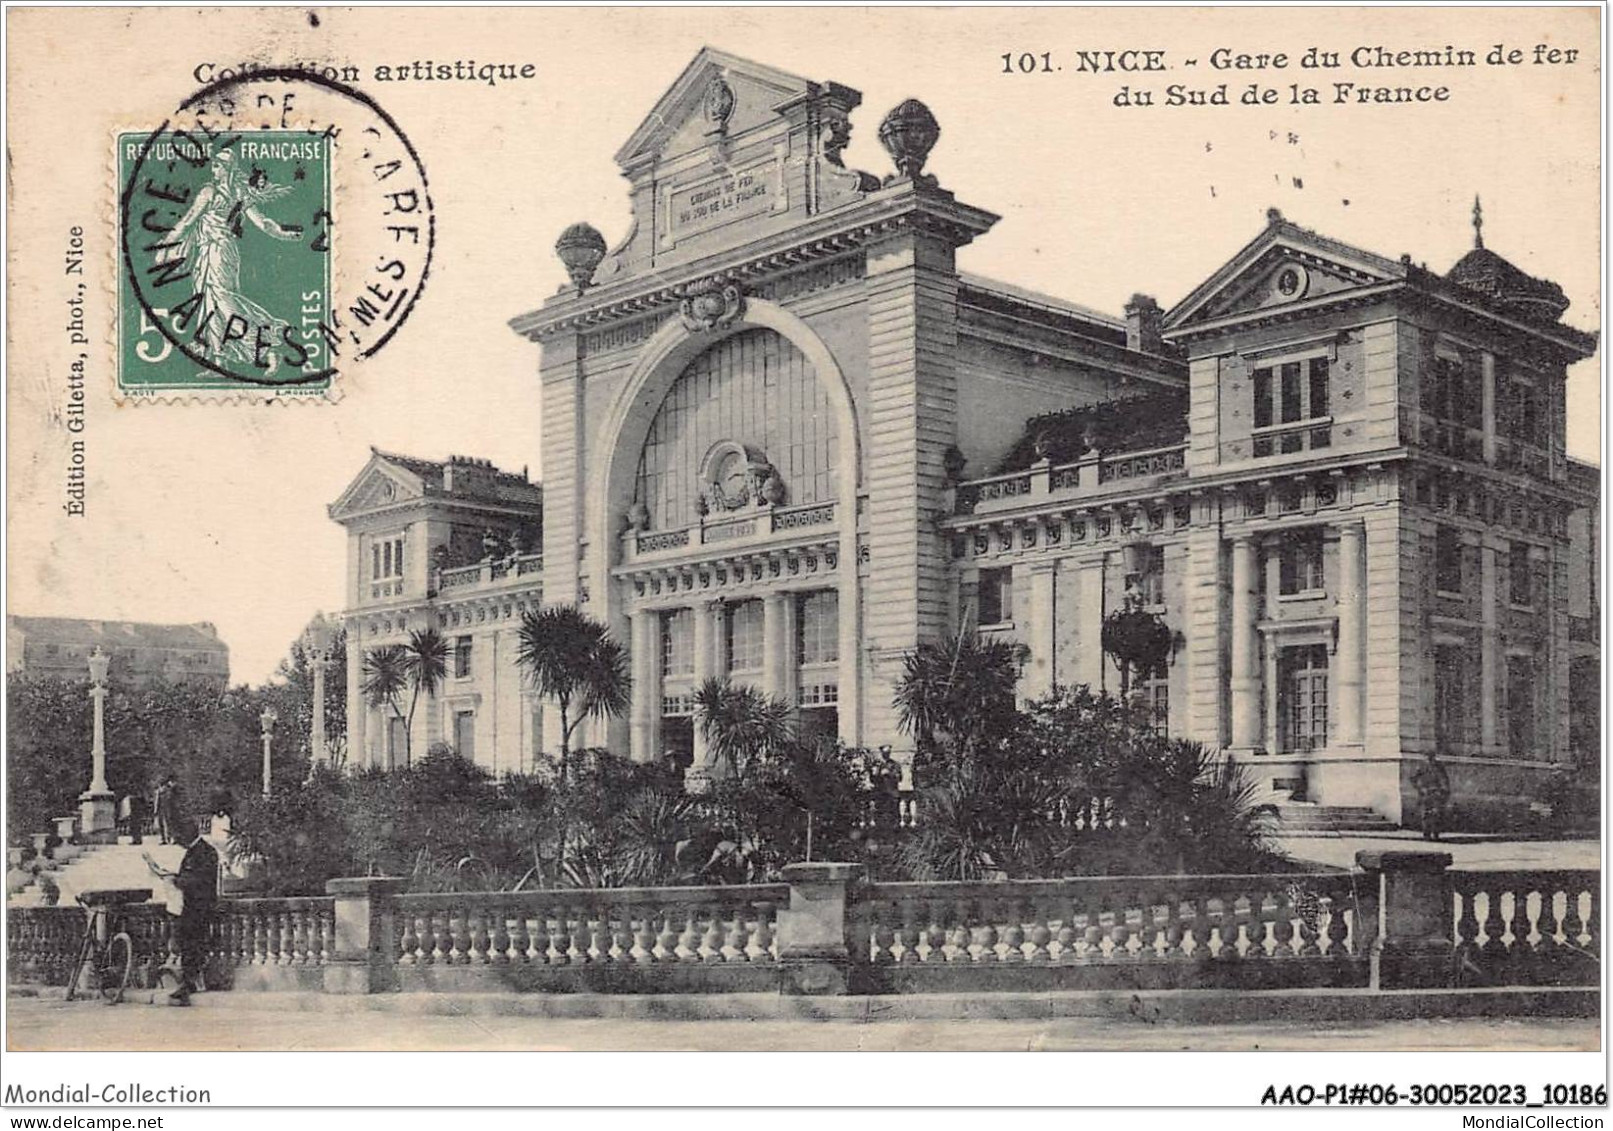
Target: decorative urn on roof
<point>581,248</point>
<point>908,133</point>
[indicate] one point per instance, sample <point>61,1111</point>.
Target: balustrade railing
<point>1245,931</point>
<point>1528,927</point>
<point>1317,920</point>
<point>489,571</point>
<point>1092,471</point>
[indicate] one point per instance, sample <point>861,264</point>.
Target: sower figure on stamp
<point>1433,795</point>
<point>193,896</point>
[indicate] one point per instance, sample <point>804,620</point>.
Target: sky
<point>218,513</point>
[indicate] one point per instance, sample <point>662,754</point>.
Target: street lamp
<point>319,640</point>
<point>267,719</point>
<point>97,815</point>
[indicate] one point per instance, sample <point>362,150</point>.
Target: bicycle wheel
<point>119,960</point>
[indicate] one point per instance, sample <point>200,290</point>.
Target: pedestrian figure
<point>137,817</point>
<point>885,776</point>
<point>191,903</point>
<point>1433,795</point>
<point>167,810</point>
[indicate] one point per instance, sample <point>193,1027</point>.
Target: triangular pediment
<point>716,94</point>
<point>1284,266</point>
<point>380,485</point>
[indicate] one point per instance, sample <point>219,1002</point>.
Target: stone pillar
<point>1041,634</point>
<point>1271,690</point>
<point>1413,947</point>
<point>1489,406</point>
<point>1350,657</point>
<point>358,753</point>
<point>1089,618</point>
<point>1489,650</point>
<point>1245,682</point>
<point>707,632</point>
<point>774,641</point>
<point>363,962</point>
<point>818,933</point>
<point>646,706</point>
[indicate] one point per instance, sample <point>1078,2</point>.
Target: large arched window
<point>753,393</point>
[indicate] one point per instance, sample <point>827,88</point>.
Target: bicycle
<point>106,956</point>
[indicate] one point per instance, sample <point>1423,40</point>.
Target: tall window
<point>1304,677</point>
<point>818,627</point>
<point>1287,394</point>
<point>996,596</point>
<point>386,558</point>
<point>1521,706</point>
<point>1450,700</point>
<point>1519,410</point>
<point>745,636</point>
<point>1157,696</point>
<point>1454,391</point>
<point>1448,560</point>
<point>1148,582</point>
<point>677,643</point>
<point>1520,575</point>
<point>462,657</point>
<point>1300,563</point>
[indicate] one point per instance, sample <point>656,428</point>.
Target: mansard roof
<point>1482,281</point>
<point>390,478</point>
<point>110,634</point>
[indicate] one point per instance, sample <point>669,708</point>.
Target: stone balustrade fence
<point>1399,920</point>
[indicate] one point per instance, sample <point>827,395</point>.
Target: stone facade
<point>141,655</point>
<point>785,440</point>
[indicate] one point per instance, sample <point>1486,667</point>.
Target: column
<point>358,754</point>
<point>707,634</point>
<point>789,656</point>
<point>1350,656</point>
<point>774,640</point>
<point>1272,697</point>
<point>1489,650</point>
<point>1089,653</point>
<point>1041,635</point>
<point>1488,371</point>
<point>646,682</point>
<point>1245,682</point>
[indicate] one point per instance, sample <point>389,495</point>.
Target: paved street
<point>1472,852</point>
<point>47,1024</point>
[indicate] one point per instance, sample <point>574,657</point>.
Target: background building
<point>785,440</point>
<point>141,654</point>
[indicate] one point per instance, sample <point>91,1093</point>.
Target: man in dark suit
<point>197,881</point>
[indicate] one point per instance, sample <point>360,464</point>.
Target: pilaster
<point>1244,663</point>
<point>1204,599</point>
<point>1350,654</point>
<point>1041,671</point>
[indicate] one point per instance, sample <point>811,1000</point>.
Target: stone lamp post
<point>97,813</point>
<point>267,719</point>
<point>319,638</point>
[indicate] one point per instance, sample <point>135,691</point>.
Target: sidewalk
<point>1471,851</point>
<point>240,1024</point>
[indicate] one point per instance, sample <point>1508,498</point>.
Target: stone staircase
<point>91,867</point>
<point>1302,818</point>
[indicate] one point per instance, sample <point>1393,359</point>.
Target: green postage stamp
<point>225,248</point>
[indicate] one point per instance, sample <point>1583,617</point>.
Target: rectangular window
<point>1521,582</point>
<point>1148,583</point>
<point>375,561</point>
<point>1292,401</point>
<point>1450,707</point>
<point>677,643</point>
<point>996,596</point>
<point>1448,560</point>
<point>1305,687</point>
<point>1157,695</point>
<point>462,657</point>
<point>1521,705</point>
<point>818,627</point>
<point>465,735</point>
<point>1262,398</point>
<point>744,623</point>
<point>1300,563</point>
<point>1318,387</point>
<point>386,560</point>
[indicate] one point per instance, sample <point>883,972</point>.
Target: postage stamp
<point>228,249</point>
<point>232,279</point>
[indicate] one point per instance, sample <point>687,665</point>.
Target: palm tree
<point>386,674</point>
<point>960,689</point>
<point>573,659</point>
<point>426,665</point>
<point>741,723</point>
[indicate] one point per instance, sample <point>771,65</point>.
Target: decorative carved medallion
<point>711,306</point>
<point>719,105</point>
